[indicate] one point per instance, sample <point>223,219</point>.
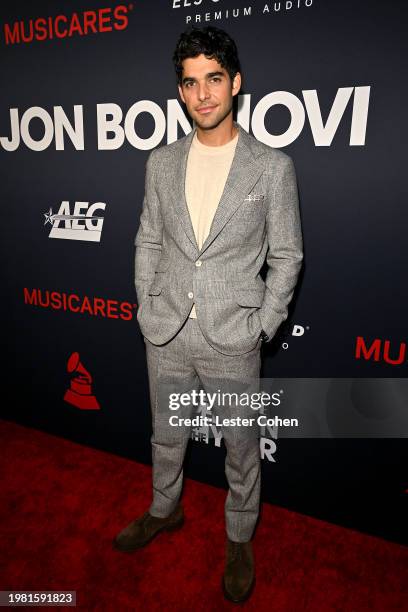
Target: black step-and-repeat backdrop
<point>88,89</point>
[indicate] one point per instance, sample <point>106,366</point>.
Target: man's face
<point>207,91</point>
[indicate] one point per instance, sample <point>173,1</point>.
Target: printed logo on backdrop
<point>117,126</point>
<point>204,433</point>
<point>381,350</point>
<point>289,331</point>
<point>109,19</point>
<point>79,393</point>
<point>79,304</point>
<point>82,224</point>
<point>202,12</point>
<point>89,22</point>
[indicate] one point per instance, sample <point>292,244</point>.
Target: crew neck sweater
<point>206,174</point>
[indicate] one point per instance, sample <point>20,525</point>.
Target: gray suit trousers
<point>188,362</point>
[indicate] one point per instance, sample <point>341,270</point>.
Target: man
<point>217,204</point>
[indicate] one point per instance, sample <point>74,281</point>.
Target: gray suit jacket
<point>257,218</point>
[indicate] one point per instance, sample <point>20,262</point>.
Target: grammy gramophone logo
<point>80,393</point>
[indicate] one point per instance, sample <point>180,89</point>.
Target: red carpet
<point>62,504</point>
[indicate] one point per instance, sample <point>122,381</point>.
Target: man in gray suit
<point>217,204</point>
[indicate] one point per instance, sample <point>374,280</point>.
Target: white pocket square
<point>254,197</point>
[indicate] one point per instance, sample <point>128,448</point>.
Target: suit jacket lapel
<point>176,182</point>
<point>244,173</point>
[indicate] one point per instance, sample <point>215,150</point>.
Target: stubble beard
<point>203,125</point>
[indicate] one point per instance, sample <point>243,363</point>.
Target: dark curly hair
<point>213,42</point>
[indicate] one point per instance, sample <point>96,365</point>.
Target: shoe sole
<point>228,596</point>
<point>133,547</point>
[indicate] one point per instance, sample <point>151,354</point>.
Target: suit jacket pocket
<point>163,264</point>
<point>156,287</point>
<point>249,297</point>
<point>251,212</point>
<point>157,284</point>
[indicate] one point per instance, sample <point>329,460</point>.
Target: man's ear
<point>181,93</point>
<point>236,83</point>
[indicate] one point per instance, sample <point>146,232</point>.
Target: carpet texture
<point>62,503</point>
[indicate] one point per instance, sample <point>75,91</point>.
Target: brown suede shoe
<point>143,529</point>
<point>239,575</point>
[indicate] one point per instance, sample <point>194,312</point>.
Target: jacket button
<point>191,294</point>
<point>198,263</point>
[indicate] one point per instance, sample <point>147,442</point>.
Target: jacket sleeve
<point>285,252</point>
<point>149,236</point>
